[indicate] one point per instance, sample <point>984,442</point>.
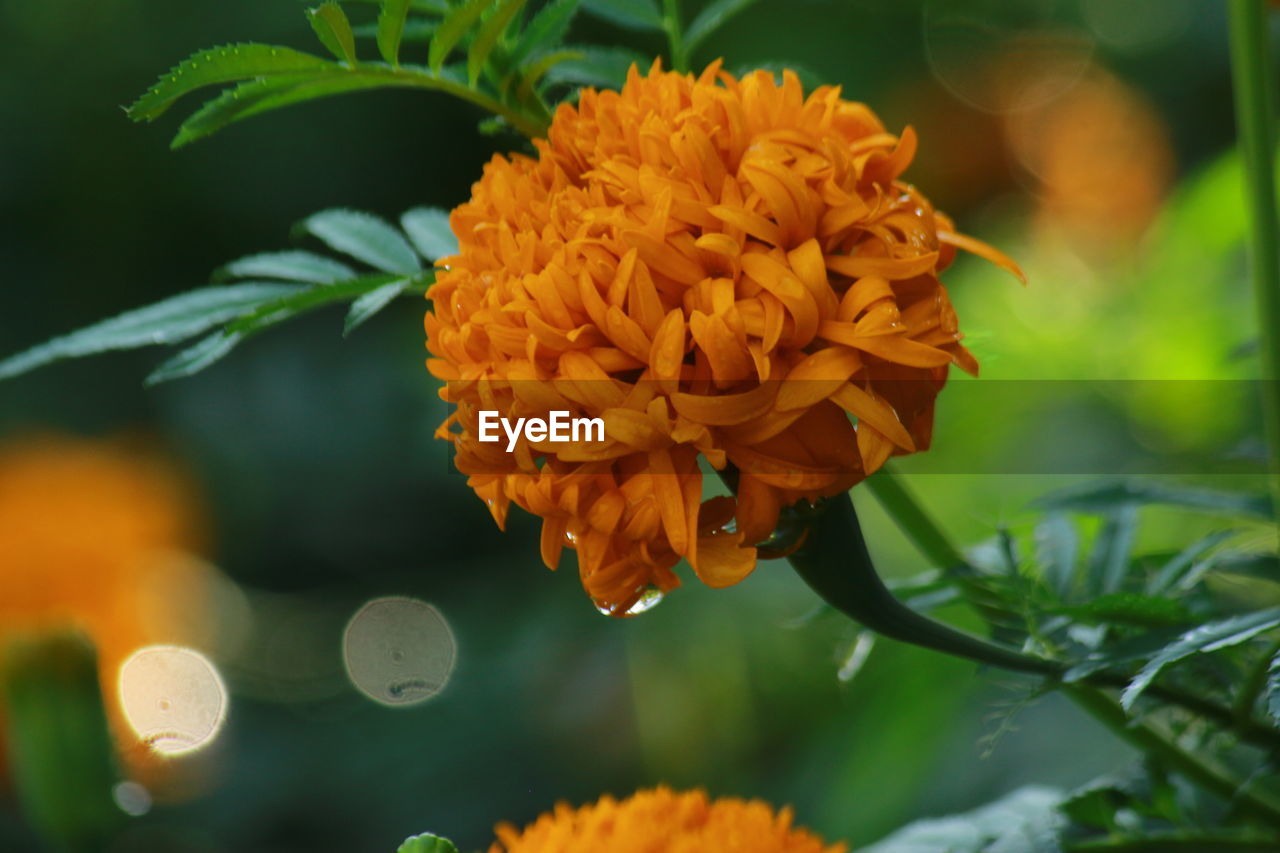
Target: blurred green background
<point>1088,138</point>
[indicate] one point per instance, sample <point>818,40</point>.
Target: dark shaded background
<point>326,489</point>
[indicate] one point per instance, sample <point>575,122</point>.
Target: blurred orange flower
<point>91,537</point>
<point>664,820</point>
<point>674,252</point>
<point>1104,162</point>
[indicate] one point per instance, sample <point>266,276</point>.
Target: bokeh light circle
<point>173,698</point>
<point>398,651</point>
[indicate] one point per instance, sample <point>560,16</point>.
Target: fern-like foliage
<point>488,52</point>
<point>261,291</point>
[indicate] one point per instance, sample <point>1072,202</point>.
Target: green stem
<point>675,35</point>
<point>1157,744</point>
<point>1251,74</point>
<point>917,524</point>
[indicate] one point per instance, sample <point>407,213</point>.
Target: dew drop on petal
<point>648,600</point>
<point>398,651</point>
<point>172,698</point>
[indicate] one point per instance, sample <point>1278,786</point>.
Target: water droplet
<point>172,698</point>
<point>648,600</point>
<point>398,651</point>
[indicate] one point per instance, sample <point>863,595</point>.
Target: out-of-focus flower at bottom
<point>663,820</point>
<point>93,538</point>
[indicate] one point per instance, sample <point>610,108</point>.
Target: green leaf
<point>166,322</point>
<point>1210,637</point>
<point>1057,545</point>
<point>334,30</point>
<point>1104,496</point>
<point>487,36</point>
<point>259,96</point>
<point>1109,561</point>
<point>427,843</point>
<point>545,30</point>
<point>195,358</point>
<point>632,14</point>
<point>710,19</point>
<point>452,29</point>
<point>427,7</point>
<point>428,229</point>
<point>597,66</point>
<point>391,21</point>
<point>415,30</point>
<point>1128,608</point>
<point>1180,570</point>
<point>1121,653</point>
<point>272,313</point>
<point>536,70</point>
<point>291,266</point>
<point>1273,689</point>
<point>222,65</point>
<point>364,237</point>
<point>371,303</point>
<point>1026,821</point>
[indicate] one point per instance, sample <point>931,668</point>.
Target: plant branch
<point>1153,742</point>
<point>1251,73</point>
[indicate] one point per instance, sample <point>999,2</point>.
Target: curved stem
<point>1251,76</point>
<point>834,561</point>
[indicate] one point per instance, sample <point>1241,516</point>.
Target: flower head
<point>89,538</point>
<point>719,269</point>
<point>666,821</point>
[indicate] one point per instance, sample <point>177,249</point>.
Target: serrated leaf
<point>427,843</point>
<point>364,237</point>
<point>428,229</point>
<point>604,67</point>
<point>1210,637</point>
<point>711,18</point>
<point>371,303</point>
<point>1026,821</point>
<point>533,73</point>
<point>1104,496</point>
<point>334,30</point>
<point>632,14</point>
<point>1121,653</point>
<point>1129,608</point>
<point>169,321</point>
<point>225,64</point>
<point>1057,545</point>
<point>259,96</point>
<point>1109,560</point>
<point>279,310</point>
<point>545,30</point>
<point>488,34</point>
<point>452,29</point>
<point>291,266</point>
<point>195,358</point>
<point>391,20</point>
<point>1177,571</point>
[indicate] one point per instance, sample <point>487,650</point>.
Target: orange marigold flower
<point>663,820</point>
<point>89,534</point>
<point>674,253</point>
